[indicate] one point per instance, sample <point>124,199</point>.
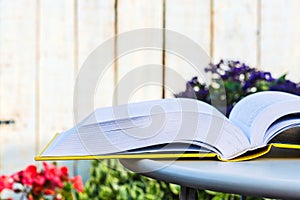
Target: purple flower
<point>239,80</point>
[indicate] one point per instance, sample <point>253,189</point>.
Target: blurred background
<point>44,43</point>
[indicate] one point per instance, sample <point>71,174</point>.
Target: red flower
<point>6,182</point>
<point>17,176</point>
<point>64,173</point>
<point>29,174</point>
<point>39,183</point>
<point>49,192</point>
<point>37,190</point>
<point>39,180</point>
<point>77,183</point>
<point>30,197</point>
<point>53,174</point>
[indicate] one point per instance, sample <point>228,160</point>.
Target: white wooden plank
<point>136,14</point>
<point>192,19</point>
<point>56,68</point>
<point>235,30</point>
<point>17,84</point>
<point>280,37</point>
<point>95,26</point>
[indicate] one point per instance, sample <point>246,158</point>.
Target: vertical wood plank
<point>280,37</point>
<point>135,14</point>
<point>17,84</point>
<point>192,19</point>
<point>95,26</point>
<point>235,30</point>
<point>56,68</point>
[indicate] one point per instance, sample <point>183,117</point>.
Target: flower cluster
<point>6,182</point>
<point>233,80</point>
<point>51,181</point>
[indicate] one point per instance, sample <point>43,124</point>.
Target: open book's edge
<point>48,145</point>
<point>251,154</point>
<point>263,151</point>
<point>247,156</point>
<point>199,155</point>
<point>131,156</point>
<point>285,146</point>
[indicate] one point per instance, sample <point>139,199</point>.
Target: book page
<point>287,128</point>
<point>255,113</point>
<point>147,108</point>
<point>182,121</point>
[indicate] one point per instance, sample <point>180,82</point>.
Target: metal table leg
<point>187,193</point>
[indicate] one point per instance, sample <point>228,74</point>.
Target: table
<point>263,177</point>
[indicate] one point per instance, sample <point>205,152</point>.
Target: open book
<point>179,127</point>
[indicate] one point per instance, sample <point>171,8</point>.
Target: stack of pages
<point>180,128</point>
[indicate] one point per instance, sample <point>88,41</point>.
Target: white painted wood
<point>96,26</point>
<point>235,30</point>
<point>17,84</point>
<point>136,14</point>
<point>192,19</point>
<point>280,38</point>
<point>56,68</point>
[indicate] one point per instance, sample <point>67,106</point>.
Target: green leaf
<point>106,192</point>
<point>175,189</point>
<point>123,193</point>
<point>262,85</point>
<point>282,78</point>
<point>150,196</point>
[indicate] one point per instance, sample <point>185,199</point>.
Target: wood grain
<point>192,19</point>
<point>56,68</point>
<point>280,37</point>
<point>137,14</point>
<point>95,26</point>
<point>235,30</point>
<point>17,84</point>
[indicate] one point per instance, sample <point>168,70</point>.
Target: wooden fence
<point>43,44</point>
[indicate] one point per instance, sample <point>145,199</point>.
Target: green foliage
<point>109,180</point>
